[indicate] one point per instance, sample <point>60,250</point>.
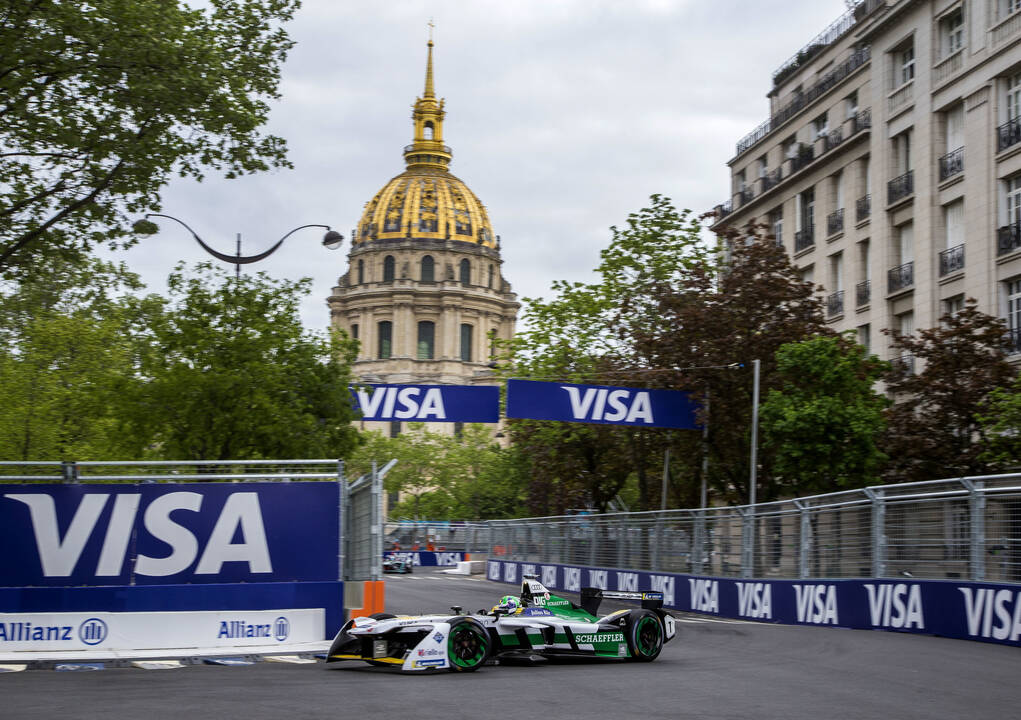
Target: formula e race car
<point>537,623</point>
<point>395,564</point>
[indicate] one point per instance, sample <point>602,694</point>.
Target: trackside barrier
<point>988,612</point>
<point>117,556</point>
<point>425,558</point>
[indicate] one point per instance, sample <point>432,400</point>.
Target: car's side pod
<point>592,597</point>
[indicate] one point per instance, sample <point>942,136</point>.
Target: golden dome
<point>426,201</point>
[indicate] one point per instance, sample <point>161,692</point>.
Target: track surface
<point>714,669</point>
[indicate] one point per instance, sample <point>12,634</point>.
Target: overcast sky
<point>563,116</point>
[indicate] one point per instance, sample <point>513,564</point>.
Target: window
<point>354,331</point>
<point>428,269</point>
<point>776,224</point>
<point>953,124</point>
<point>763,166</point>
<point>1008,7</point>
<point>384,332</point>
<point>1012,201</point>
<point>808,274</point>
<point>837,272</point>
<point>790,147</point>
<point>905,64</point>
<point>954,305</point>
<point>863,258</point>
<point>361,272</point>
<point>864,337</point>
<point>951,31</point>
<point>838,190</point>
<point>820,126</point>
<point>905,323</point>
<point>426,340</point>
<point>1013,100</point>
<point>1012,290</point>
<point>902,152</point>
<point>389,268</point>
<point>851,105</point>
<point>905,243</point>
<point>953,221</point>
<point>806,214</point>
<point>428,130</point>
<point>490,276</point>
<point>466,272</point>
<point>466,342</point>
<point>739,181</point>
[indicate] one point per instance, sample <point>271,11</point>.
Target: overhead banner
<point>602,404</point>
<point>428,403</point>
<point>156,534</point>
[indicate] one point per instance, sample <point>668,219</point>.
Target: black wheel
<point>644,635</point>
<point>467,646</point>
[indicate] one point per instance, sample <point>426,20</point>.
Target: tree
<point>65,348</point>
<point>824,422</point>
<point>585,334</point>
<point>712,322</point>
<point>102,103</point>
<point>1000,417</point>
<point>935,429</point>
<point>226,372</point>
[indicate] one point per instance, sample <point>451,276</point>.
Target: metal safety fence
<point>959,528</point>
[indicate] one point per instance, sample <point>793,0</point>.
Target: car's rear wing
<point>592,597</point>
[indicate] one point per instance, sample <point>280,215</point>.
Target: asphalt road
<point>714,669</point>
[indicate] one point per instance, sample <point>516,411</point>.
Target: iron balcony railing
<point>863,207</point>
<point>835,222</point>
<point>724,209</point>
<point>804,155</point>
<point>835,304</point>
<point>951,260</point>
<point>903,365</point>
<point>861,121</point>
<point>833,139</point>
<point>1014,341</point>
<point>900,277</point>
<point>863,293</point>
<point>804,238</point>
<point>1008,134</point>
<point>951,164</point>
<point>754,136</point>
<point>772,179</point>
<point>900,187</point>
<point>1008,239</point>
<point>746,195</point>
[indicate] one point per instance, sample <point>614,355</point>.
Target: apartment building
<point>890,165</point>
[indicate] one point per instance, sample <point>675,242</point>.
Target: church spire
<point>427,148</point>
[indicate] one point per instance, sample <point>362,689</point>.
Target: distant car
<point>394,564</point>
<point>536,624</point>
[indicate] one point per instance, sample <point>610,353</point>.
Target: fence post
<point>69,471</point>
<point>342,491</point>
<point>697,551</point>
<point>375,529</point>
<point>592,541</point>
<point>977,540</point>
<point>805,540</point>
<point>878,532</point>
<point>747,552</point>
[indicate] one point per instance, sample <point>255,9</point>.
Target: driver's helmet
<point>508,604</point>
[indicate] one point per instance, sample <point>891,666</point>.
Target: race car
<point>396,564</point>
<point>537,624</point>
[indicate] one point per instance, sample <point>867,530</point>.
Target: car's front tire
<point>645,635</point>
<point>468,645</point>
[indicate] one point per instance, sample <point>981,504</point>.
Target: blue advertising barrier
<point>988,612</point>
<point>427,558</point>
<point>171,547</point>
<point>429,403</point>
<point>600,404</point>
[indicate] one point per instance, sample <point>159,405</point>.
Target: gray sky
<point>563,116</point>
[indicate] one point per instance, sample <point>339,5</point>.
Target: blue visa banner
<point>987,612</point>
<point>428,403</point>
<point>168,534</point>
<point>426,558</point>
<point>603,404</point>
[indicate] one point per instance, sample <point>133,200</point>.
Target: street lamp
<point>331,240</point>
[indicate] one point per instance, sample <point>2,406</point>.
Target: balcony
<point>861,121</point>
<point>835,222</point>
<point>863,293</point>
<point>900,277</point>
<point>804,155</point>
<point>947,68</point>
<point>831,140</point>
<point>772,179</point>
<point>900,98</point>
<point>951,260</point>
<point>903,365</point>
<point>1008,134</point>
<point>900,187</point>
<point>835,304</point>
<point>862,208</point>
<point>724,209</point>
<point>1013,338</point>
<point>745,196</point>
<point>1008,239</point>
<point>951,164</point>
<point>804,239</point>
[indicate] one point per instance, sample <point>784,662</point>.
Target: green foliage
<point>935,429</point>
<point>1000,418</point>
<point>825,420</point>
<point>226,372</point>
<point>104,102</point>
<point>65,347</point>
<point>444,477</point>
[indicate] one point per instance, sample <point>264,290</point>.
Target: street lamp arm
<point>235,259</point>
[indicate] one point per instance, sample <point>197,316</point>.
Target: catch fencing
<point>966,528</point>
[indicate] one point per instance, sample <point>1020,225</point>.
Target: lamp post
<point>331,240</point>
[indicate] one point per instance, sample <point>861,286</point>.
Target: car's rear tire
<point>468,645</point>
<point>645,635</point>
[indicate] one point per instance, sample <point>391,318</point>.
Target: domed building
<point>424,292</point>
